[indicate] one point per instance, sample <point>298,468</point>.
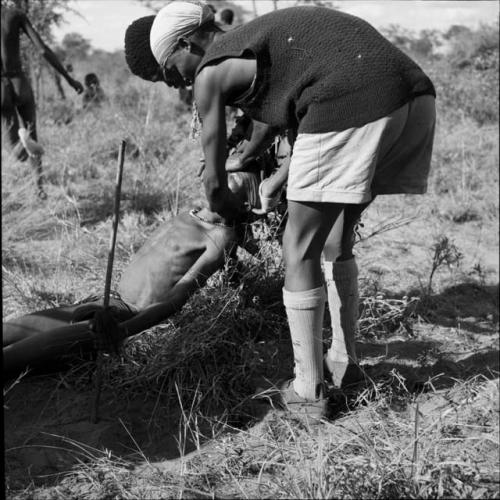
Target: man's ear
<point>184,43</point>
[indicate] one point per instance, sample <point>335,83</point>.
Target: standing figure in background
<point>93,95</point>
<point>18,102</point>
<point>226,17</point>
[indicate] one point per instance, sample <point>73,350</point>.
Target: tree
<point>75,46</point>
<point>240,13</point>
<point>43,15</point>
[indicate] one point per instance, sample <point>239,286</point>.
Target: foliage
<point>473,47</point>
<point>240,13</point>
<point>75,46</point>
<point>43,15</point>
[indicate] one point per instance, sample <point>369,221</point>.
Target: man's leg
<point>44,337</point>
<point>303,295</point>
<point>9,119</point>
<point>40,339</point>
<point>341,276</point>
<point>27,111</point>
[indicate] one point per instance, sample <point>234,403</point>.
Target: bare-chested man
<point>18,102</point>
<point>175,261</point>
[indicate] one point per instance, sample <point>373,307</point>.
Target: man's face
<point>180,67</point>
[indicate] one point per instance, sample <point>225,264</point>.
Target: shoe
<point>342,375</point>
<point>314,410</point>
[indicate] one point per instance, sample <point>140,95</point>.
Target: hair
<point>138,53</point>
<point>227,16</point>
<point>91,78</point>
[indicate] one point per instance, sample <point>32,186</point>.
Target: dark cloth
<point>320,70</point>
<point>87,307</point>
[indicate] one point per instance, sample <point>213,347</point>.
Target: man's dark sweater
<point>320,70</point>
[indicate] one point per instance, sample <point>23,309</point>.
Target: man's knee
<point>299,247</point>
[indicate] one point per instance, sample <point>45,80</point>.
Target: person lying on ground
<point>174,262</point>
<point>363,114</point>
<point>18,102</point>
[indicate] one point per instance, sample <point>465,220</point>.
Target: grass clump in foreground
<point>380,449</point>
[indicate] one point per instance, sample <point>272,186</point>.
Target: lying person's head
<point>245,185</point>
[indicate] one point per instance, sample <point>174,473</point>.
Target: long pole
<point>109,272</point>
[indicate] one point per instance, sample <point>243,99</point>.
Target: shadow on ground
<point>465,304</point>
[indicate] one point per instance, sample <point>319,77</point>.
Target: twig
<point>415,444</point>
<point>109,270</point>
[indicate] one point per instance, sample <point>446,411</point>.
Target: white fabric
<point>305,313</point>
<point>176,19</point>
<point>388,156</point>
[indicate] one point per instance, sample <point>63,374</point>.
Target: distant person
<point>93,95</point>
<point>363,117</point>
<point>175,261</point>
<point>18,102</point>
<point>226,17</point>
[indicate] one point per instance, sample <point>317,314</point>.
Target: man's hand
<point>106,330</point>
<point>233,164</point>
<point>236,163</point>
<point>76,85</point>
<point>269,195</point>
<point>232,209</point>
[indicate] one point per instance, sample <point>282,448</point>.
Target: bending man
<point>363,114</point>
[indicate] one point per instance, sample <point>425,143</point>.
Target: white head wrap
<point>178,18</point>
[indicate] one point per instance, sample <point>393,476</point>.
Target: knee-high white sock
<point>305,311</point>
<point>343,301</point>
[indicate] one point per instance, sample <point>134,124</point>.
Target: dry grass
<point>190,380</point>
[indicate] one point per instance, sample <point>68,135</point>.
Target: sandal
<point>341,375</point>
<point>284,396</point>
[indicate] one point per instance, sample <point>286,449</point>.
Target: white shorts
<point>391,155</point>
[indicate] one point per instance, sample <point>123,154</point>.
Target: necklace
<point>194,213</point>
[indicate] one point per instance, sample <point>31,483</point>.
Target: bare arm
<point>211,104</point>
<point>262,137</point>
<point>274,183</point>
<point>48,54</point>
<point>212,110</point>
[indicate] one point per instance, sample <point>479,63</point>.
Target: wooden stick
<point>415,444</point>
<point>109,271</point>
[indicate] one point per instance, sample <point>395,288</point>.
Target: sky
<point>104,22</point>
